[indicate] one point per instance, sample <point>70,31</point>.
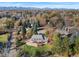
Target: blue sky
<point>41,4</point>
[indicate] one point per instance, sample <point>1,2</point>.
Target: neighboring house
<point>67,30</point>
<point>74,33</point>
<point>39,39</point>
<point>71,32</point>
<point>62,32</point>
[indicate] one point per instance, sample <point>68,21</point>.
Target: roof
<point>69,31</point>
<point>39,38</point>
<point>62,32</point>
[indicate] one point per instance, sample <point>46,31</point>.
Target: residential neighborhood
<point>39,32</point>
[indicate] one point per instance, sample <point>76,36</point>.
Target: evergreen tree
<point>38,23</point>
<point>28,24</point>
<point>57,44</point>
<point>65,45</point>
<point>35,26</point>
<point>60,45</point>
<point>24,29</point>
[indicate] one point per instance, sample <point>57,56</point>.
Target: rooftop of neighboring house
<point>62,31</point>
<point>67,30</point>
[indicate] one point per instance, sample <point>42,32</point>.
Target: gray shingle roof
<point>39,38</point>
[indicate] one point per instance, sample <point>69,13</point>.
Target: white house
<point>39,39</point>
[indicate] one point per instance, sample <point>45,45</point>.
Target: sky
<point>74,5</point>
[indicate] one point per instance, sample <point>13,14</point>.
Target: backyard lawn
<point>4,37</point>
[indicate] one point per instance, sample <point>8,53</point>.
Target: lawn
<point>4,37</point>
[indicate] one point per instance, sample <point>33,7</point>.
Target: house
<point>74,33</point>
<point>71,32</point>
<point>39,39</point>
<point>62,32</point>
<point>67,31</point>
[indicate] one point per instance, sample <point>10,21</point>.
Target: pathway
<point>8,51</point>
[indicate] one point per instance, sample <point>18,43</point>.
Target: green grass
<point>4,37</point>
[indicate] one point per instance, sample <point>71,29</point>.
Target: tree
<point>9,23</point>
<point>29,33</point>
<point>65,45</point>
<point>77,45</point>
<point>56,21</point>
<point>24,29</point>
<point>28,51</point>
<point>28,24</point>
<point>35,51</point>
<point>19,43</point>
<point>47,50</point>
<point>35,26</point>
<point>57,45</point>
<point>18,23</point>
<point>38,23</point>
<point>46,33</point>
